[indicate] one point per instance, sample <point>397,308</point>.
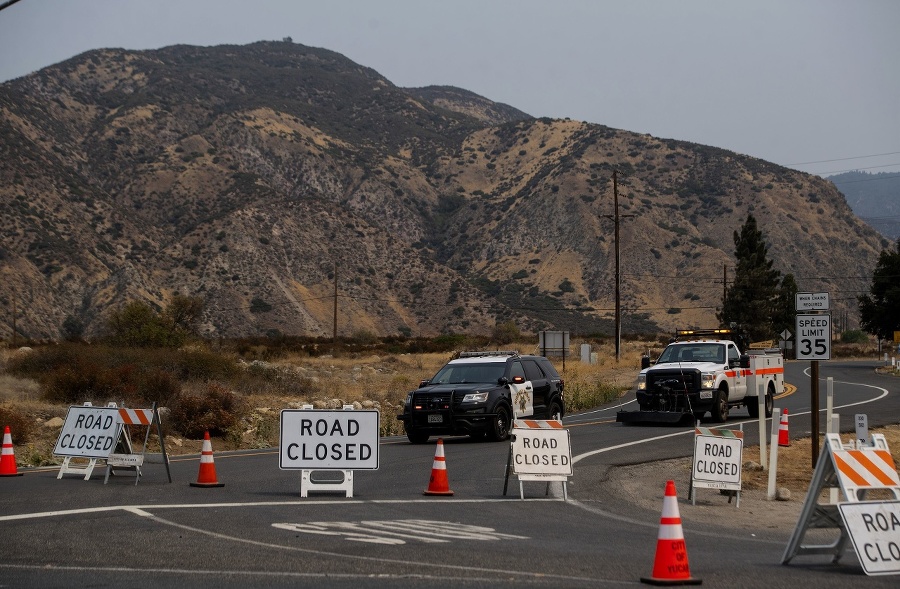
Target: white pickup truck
<point>702,372</point>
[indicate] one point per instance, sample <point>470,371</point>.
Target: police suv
<point>480,393</point>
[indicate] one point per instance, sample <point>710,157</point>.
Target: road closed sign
<point>313,439</point>
<point>88,432</point>
<point>541,452</point>
<point>874,528</point>
<point>717,459</point>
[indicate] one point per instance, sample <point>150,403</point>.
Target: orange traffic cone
<point>783,438</point>
<point>207,475</point>
<point>8,457</point>
<point>671,564</point>
<point>438,484</point>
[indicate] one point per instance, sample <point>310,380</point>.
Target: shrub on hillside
<point>20,426</point>
<point>84,380</point>
<point>217,411</point>
<point>160,387</point>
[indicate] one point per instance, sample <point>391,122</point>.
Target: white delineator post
<point>773,455</point>
<point>761,400</point>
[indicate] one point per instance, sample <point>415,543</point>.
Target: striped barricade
<point>858,472</point>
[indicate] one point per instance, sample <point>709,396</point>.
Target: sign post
<point>814,344</point>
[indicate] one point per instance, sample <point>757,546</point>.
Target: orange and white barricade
<point>859,473</point>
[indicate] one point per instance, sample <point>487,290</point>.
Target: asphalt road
<point>256,531</point>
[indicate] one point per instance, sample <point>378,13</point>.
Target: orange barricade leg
<point>8,458</point>
<point>207,475</point>
<point>671,564</point>
<point>438,484</point>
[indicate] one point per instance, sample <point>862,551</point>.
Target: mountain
<point>875,198</point>
<point>265,178</point>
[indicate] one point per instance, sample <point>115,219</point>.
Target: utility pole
<point>14,318</point>
<point>615,217</point>
<point>334,324</point>
<point>724,285</point>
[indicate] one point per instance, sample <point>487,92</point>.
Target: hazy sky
<point>789,81</point>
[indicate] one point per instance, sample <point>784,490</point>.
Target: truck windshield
<point>469,373</point>
<point>693,352</point>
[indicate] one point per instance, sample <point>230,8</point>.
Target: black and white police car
<point>480,393</point>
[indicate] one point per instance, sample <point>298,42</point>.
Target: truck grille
<point>433,402</point>
<point>673,381</point>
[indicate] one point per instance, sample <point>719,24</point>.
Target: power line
<point>844,159</point>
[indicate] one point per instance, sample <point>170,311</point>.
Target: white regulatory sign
<point>814,337</point>
<point>874,528</point>
<point>313,439</point>
<point>812,301</point>
<point>88,432</point>
<point>544,452</point>
<point>862,429</point>
<point>717,461</point>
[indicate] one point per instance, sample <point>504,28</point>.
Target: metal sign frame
<point>543,431</point>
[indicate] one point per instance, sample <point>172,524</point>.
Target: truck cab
<point>703,371</point>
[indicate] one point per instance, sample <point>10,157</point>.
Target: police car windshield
<point>469,373</point>
<point>693,353</point>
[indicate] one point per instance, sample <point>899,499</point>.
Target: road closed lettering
<point>717,459</point>
<point>88,432</point>
<point>541,452</point>
<point>324,440</point>
<point>874,528</point>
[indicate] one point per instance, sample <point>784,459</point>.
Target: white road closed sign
<point>313,439</point>
<point>88,432</point>
<point>717,459</point>
<point>874,528</point>
<point>545,452</point>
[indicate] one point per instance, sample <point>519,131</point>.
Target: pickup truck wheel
<point>500,428</point>
<point>720,406</point>
<point>770,400</point>
<point>416,437</point>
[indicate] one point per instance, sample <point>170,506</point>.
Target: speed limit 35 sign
<point>814,337</point>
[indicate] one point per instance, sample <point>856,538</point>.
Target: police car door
<point>540,385</point>
<point>521,391</point>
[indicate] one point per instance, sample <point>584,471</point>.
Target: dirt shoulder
<point>643,486</point>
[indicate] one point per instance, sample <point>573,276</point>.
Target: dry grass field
<point>375,381</point>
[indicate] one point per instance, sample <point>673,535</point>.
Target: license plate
<point>435,418</point>
<point>706,394</point>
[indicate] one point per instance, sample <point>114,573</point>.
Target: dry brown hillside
<point>260,177</point>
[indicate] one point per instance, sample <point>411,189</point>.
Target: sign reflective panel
<point>329,440</point>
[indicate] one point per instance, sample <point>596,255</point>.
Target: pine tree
<point>879,311</point>
<point>755,304</point>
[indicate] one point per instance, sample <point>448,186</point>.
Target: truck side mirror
<point>645,362</point>
<point>745,361</point>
